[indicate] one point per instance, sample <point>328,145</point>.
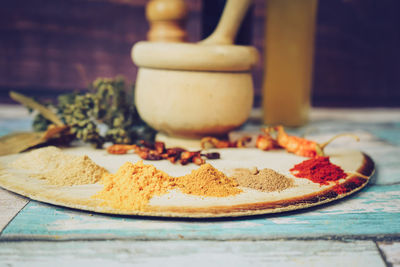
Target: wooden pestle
<point>230,22</point>
<point>166,20</point>
<point>192,90</point>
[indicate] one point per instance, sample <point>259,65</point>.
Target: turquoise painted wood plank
<point>193,253</point>
<point>10,204</point>
<point>15,125</point>
<point>374,211</point>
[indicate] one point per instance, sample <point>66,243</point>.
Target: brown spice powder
<point>208,181</point>
<point>266,180</point>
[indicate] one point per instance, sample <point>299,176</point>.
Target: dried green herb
<point>106,113</point>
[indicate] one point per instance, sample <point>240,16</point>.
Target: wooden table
<point>360,230</point>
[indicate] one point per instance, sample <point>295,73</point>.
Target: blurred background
<point>49,47</point>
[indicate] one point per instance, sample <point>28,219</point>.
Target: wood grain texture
<point>356,58</point>
<point>372,212</point>
<point>391,252</point>
<point>196,253</point>
<point>44,43</point>
<point>10,204</point>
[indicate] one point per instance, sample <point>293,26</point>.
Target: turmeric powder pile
<point>133,185</point>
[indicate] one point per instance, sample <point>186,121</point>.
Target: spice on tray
<point>133,185</point>
<point>59,168</point>
<point>157,151</point>
<point>42,159</point>
<point>208,181</point>
<point>293,144</point>
<point>345,188</point>
<point>266,180</point>
<point>319,170</point>
<point>77,171</point>
<point>215,142</point>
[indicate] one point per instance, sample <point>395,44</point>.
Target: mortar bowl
<point>191,90</point>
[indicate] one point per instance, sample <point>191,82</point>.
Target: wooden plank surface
<point>11,204</point>
<point>391,252</point>
<point>373,212</point>
<point>12,118</point>
<point>196,253</point>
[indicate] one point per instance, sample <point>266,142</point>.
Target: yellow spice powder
<point>207,181</point>
<point>133,185</point>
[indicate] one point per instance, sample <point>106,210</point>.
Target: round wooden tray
<point>176,204</point>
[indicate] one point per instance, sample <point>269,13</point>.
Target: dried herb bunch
<point>106,113</point>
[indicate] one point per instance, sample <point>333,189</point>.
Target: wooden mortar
<point>193,90</point>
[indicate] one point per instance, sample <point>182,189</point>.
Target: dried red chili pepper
<point>266,142</point>
<point>218,143</point>
<point>297,145</point>
<point>157,151</point>
<point>159,147</point>
<point>213,155</point>
<point>301,146</point>
<point>198,160</point>
<point>120,149</point>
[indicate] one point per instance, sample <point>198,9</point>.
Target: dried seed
<point>214,155</point>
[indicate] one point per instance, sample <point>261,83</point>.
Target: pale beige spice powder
<point>42,159</point>
<point>77,171</point>
<point>266,180</point>
<point>59,168</point>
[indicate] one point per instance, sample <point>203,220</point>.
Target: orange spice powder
<point>208,181</point>
<point>133,185</point>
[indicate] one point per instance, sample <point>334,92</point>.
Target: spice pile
<point>319,170</point>
<point>207,181</point>
<point>58,168</point>
<point>266,180</point>
<point>133,185</point>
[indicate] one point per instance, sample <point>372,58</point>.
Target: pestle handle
<point>229,23</point>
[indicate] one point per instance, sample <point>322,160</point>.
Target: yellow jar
<point>288,62</point>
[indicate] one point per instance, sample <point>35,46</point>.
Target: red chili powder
<point>319,170</point>
<point>341,189</point>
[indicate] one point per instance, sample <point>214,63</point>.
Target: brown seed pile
<point>266,180</point>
